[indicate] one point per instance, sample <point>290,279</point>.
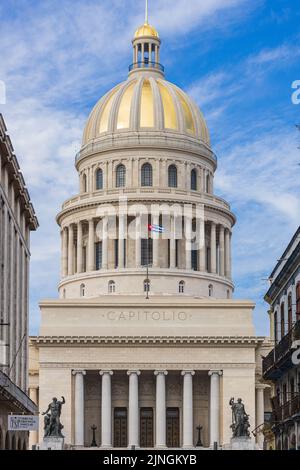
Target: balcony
<point>279,359</point>
<point>147,64</point>
<point>287,410</point>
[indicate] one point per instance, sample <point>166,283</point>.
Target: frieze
<point>145,367</point>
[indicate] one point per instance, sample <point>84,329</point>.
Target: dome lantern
<point>146,49</point>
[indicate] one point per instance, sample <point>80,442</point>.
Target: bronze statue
<point>52,424</point>
<point>240,419</point>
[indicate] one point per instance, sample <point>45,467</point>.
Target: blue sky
<point>237,58</point>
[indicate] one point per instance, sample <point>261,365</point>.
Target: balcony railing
<point>282,350</point>
<point>147,64</point>
<point>287,410</point>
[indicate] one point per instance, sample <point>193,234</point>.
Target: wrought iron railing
<point>283,348</point>
<point>286,410</point>
<point>147,64</point>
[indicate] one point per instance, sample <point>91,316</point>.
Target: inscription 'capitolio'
<point>146,315</point>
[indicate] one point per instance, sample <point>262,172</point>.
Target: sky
<point>237,58</point>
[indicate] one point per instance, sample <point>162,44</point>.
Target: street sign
<point>23,423</point>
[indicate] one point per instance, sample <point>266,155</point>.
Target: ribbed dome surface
<point>146,103</point>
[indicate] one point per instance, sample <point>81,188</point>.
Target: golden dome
<point>146,30</point>
<point>146,103</point>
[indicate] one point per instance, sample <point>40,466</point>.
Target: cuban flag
<point>155,228</point>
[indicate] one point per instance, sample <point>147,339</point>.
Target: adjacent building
<point>282,365</point>
<point>17,220</point>
<point>145,341</point>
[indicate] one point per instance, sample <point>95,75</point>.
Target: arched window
<point>147,285</point>
<point>82,290</point>
<point>181,287</point>
<point>194,180</point>
<point>146,174</point>
<point>111,287</point>
<point>290,312</point>
<point>84,183</point>
<point>120,176</point>
<point>282,328</point>
<point>298,302</point>
<point>228,294</point>
<point>64,293</point>
<point>210,290</point>
<point>172,176</point>
<point>99,179</point>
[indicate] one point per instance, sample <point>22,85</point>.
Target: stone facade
<point>17,219</point>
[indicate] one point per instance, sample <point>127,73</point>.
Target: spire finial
<point>146,12</point>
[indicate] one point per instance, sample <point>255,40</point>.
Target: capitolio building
<point>145,341</point>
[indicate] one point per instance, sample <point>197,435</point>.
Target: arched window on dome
<point>146,175</point>
<point>111,287</point>
<point>99,179</point>
<point>82,290</point>
<point>210,290</point>
<point>84,183</point>
<point>120,176</point>
<point>194,180</point>
<point>172,176</point>
<point>181,287</point>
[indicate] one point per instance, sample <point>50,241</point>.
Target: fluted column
<point>214,406</point>
<point>227,254</point>
<point>188,253</point>
<point>133,424</point>
<point>260,412</point>
<point>160,408</point>
<point>71,251</point>
<point>173,244</point>
<point>213,248</point>
<point>105,243</point>
<point>79,406</point>
<point>188,427</point>
<point>79,247</point>
<point>106,421</point>
<point>222,251</point>
<point>202,250</point>
<point>155,236</point>
<point>91,246</point>
<point>64,252</point>
<point>138,261</point>
<point>121,240</point>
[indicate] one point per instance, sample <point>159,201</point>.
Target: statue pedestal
<point>52,443</point>
<point>242,443</point>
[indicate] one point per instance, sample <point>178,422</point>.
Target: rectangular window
<point>98,256</point>
<point>194,255</point>
<point>146,251</point>
<point>116,253</point>
<point>84,258</point>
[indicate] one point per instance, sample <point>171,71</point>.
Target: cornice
<point>9,158</point>
<point>147,340</point>
<point>140,198</point>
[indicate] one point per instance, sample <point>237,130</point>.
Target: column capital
<point>160,372</point>
<point>188,372</point>
<point>136,372</point>
<point>215,372</point>
<point>103,372</point>
<point>262,387</point>
<point>78,371</point>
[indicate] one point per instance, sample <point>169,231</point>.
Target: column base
<point>188,446</point>
<point>160,447</point>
